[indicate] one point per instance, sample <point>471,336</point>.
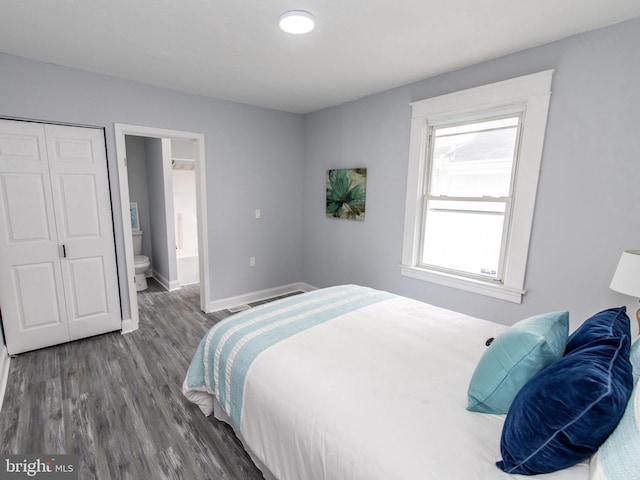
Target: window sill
<point>494,290</point>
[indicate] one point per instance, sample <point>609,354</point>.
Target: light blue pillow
<point>618,457</point>
<point>513,358</point>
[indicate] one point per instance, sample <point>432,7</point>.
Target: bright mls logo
<point>50,467</point>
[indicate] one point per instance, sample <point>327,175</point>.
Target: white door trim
<point>167,177</point>
<point>4,371</point>
<point>120,131</point>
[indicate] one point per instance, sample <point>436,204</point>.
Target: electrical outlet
<point>258,214</point>
<point>252,261</point>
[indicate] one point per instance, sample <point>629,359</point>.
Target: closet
<point>58,278</point>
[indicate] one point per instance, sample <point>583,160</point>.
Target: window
<point>468,198</point>
<point>473,173</point>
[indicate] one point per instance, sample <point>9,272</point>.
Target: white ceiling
<point>233,49</point>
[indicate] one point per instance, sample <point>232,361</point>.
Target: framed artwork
<point>135,219</point>
<point>346,193</point>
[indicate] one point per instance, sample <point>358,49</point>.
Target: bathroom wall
<point>182,149</point>
<point>164,268</point>
<point>137,175</point>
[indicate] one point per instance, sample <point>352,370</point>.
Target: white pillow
<point>619,456</point>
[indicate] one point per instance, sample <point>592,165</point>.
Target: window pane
<point>474,127</point>
<point>475,159</point>
<point>464,236</point>
<point>470,205</point>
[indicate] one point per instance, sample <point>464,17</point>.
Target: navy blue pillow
<point>563,414</point>
<point>613,322</point>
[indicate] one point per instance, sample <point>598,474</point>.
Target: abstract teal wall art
<point>346,193</point>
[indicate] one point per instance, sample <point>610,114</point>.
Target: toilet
<point>141,262</point>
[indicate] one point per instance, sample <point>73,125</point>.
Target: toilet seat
<point>140,259</point>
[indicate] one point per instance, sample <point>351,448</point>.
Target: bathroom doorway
<point>185,221</point>
<point>171,221</point>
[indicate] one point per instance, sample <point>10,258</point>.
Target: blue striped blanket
<point>222,360</point>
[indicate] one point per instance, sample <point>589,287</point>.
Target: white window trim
<point>532,92</point>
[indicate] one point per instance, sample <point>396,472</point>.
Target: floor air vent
<point>239,308</point>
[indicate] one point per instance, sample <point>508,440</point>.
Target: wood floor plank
<point>51,409</point>
<point>81,439</point>
<point>36,443</point>
<point>116,400</point>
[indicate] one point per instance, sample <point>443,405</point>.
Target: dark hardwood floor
<point>116,401</point>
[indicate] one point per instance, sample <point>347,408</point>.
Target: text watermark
<point>49,467</point>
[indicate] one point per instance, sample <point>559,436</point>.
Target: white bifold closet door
<point>58,279</point>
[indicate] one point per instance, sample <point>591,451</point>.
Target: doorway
<point>197,142</point>
<point>185,218</point>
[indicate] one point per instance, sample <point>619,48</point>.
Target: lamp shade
<point>626,278</point>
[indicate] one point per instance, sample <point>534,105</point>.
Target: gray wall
<point>586,214</point>
<point>588,204</point>
<point>138,191</point>
<point>182,149</point>
<point>253,160</point>
<point>157,211</point>
<point>146,187</point>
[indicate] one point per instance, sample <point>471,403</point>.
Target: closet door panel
<point>38,297</point>
<point>79,212</point>
<point>31,293</point>
<point>84,225</point>
<point>25,208</point>
<point>88,282</point>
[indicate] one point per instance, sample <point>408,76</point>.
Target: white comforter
<point>376,394</point>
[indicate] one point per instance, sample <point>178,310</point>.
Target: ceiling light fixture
<point>297,22</point>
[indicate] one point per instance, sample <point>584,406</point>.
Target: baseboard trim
<point>4,372</point>
<point>166,284</point>
<point>236,300</point>
<point>128,326</point>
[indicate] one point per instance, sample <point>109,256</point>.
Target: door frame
<point>170,219</point>
<point>120,131</point>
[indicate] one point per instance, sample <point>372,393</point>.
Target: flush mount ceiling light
<point>297,22</point>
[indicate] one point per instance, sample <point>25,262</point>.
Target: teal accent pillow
<point>513,358</point>
<point>568,410</point>
<point>618,458</point>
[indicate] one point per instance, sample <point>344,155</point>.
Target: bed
<point>353,383</point>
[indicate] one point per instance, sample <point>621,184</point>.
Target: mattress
<point>375,392</point>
